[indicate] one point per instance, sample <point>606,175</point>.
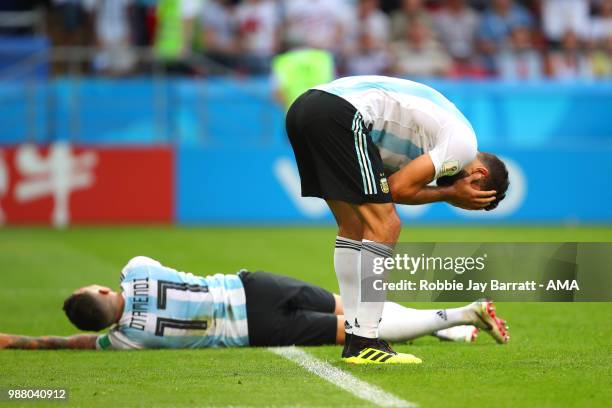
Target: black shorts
<point>283,311</point>
<point>336,157</point>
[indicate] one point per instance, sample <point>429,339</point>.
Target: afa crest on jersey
<point>449,168</point>
<point>384,185</point>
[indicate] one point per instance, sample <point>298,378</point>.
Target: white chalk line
<point>341,379</point>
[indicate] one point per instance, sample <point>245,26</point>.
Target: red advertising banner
<point>62,184</point>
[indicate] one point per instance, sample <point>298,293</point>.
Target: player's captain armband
<point>449,168</point>
<point>103,342</point>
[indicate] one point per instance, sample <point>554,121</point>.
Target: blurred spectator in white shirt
<point>419,54</point>
<point>111,19</point>
<point>219,32</point>
<point>561,16</point>
<point>111,23</point>
<point>570,62</point>
<point>410,10</point>
<point>367,51</point>
<point>314,24</point>
<point>456,25</point>
<point>373,21</point>
<point>258,28</point>
<point>520,60</point>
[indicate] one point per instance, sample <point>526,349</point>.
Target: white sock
<point>347,257</point>
<point>462,332</point>
<point>369,313</point>
<point>400,323</point>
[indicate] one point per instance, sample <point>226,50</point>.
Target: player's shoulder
<point>138,263</point>
<point>462,131</point>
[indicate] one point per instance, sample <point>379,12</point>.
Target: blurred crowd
<point>530,39</point>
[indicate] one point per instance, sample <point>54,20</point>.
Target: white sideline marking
<point>341,379</point>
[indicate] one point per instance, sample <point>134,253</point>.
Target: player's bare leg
<point>340,334</point>
<point>339,308</point>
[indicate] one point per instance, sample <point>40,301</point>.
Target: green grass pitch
<point>560,355</point>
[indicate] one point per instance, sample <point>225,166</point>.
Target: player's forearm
<point>409,185</point>
<point>424,195</point>
<point>79,341</point>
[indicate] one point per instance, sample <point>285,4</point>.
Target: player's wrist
<point>447,193</point>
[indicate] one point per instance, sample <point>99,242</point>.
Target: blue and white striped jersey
<point>409,119</point>
<point>165,308</point>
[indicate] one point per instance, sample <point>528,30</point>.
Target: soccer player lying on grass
<point>159,307</point>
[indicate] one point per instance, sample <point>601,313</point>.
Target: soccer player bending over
<point>364,143</point>
<point>159,307</point>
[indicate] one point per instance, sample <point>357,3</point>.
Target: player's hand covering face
<point>466,193</point>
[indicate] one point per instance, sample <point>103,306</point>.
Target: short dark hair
<point>87,312</point>
<point>496,180</point>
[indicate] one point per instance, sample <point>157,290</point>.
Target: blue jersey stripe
<point>394,144</point>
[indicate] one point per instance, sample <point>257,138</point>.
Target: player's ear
<point>481,169</point>
<point>104,291</point>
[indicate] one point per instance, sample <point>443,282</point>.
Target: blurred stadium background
<point>168,111</point>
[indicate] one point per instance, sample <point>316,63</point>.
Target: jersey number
<point>162,323</point>
<point>162,295</point>
<point>164,286</point>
